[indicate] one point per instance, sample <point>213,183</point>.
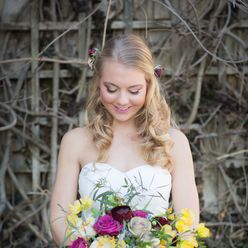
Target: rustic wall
<point>44,82</point>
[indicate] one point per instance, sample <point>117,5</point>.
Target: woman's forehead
<point>120,74</point>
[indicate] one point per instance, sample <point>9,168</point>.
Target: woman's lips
<point>121,110</point>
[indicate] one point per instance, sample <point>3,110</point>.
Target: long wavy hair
<point>154,118</point>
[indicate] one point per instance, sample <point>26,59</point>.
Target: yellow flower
<point>190,242</point>
<point>185,221</point>
<point>72,219</point>
<point>104,242</point>
<point>202,231</point>
<point>76,207</point>
<point>169,211</point>
<point>121,244</point>
<point>68,232</point>
<point>71,234</point>
<point>171,217</point>
<point>167,229</point>
<point>181,227</point>
<point>86,202</point>
<point>187,216</point>
<point>73,222</point>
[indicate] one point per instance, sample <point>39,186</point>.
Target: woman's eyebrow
<point>109,83</point>
<point>133,86</point>
<point>136,85</point>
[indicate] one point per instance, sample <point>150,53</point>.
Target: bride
<point>128,133</point>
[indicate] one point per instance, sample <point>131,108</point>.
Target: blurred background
<point>44,78</point>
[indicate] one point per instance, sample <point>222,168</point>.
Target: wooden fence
<point>44,81</point>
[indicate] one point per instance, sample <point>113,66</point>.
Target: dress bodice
<point>152,182</point>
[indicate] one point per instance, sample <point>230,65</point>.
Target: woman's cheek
<point>106,98</point>
<point>139,100</point>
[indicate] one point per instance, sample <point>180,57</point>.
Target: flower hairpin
<point>158,71</point>
<point>93,53</point>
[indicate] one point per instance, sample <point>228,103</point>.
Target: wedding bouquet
<point>115,223</point>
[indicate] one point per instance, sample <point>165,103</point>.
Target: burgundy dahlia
<point>161,221</point>
<point>121,213</point>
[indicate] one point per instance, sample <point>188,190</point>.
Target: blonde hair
<point>152,121</point>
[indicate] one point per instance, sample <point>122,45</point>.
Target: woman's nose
<point>122,99</point>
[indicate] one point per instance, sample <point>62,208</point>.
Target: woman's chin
<point>122,118</point>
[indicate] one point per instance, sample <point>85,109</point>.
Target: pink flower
<point>79,243</point>
<point>158,71</point>
<point>140,213</point>
<point>107,225</point>
<point>92,52</point>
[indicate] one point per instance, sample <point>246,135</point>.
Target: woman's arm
<point>66,184</point>
<point>184,191</point>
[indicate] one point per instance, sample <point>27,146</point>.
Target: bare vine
<point>203,46</point>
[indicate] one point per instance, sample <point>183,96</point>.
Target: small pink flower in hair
<point>91,63</point>
<point>93,53</point>
<point>158,71</point>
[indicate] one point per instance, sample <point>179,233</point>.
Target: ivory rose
<point>139,226</point>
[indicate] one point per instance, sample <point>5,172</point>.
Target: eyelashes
<point>113,91</point>
<point>110,91</point>
<point>134,92</point>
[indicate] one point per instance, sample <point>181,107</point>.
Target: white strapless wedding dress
<point>152,183</point>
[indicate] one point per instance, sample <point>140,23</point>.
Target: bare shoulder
<point>178,137</point>
<point>180,152</point>
<point>75,142</point>
<point>76,147</point>
<point>77,136</point>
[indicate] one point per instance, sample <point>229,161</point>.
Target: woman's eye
<point>110,90</point>
<point>134,92</point>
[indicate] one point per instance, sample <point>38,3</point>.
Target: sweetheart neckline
<point>128,171</point>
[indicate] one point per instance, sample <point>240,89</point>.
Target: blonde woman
<point>128,134</point>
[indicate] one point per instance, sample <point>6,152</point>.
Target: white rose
<point>148,237</point>
<point>139,226</point>
<point>94,244</point>
<point>86,229</point>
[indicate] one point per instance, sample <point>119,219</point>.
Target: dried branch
<point>232,154</point>
<point>106,24</point>
<point>197,95</point>
<point>205,38</point>
<point>44,59</point>
<point>13,115</point>
<point>25,218</point>
<point>38,234</point>
<point>3,170</point>
<point>32,140</point>
<point>71,28</point>
<point>197,39</point>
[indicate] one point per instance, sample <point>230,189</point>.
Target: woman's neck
<point>124,128</point>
